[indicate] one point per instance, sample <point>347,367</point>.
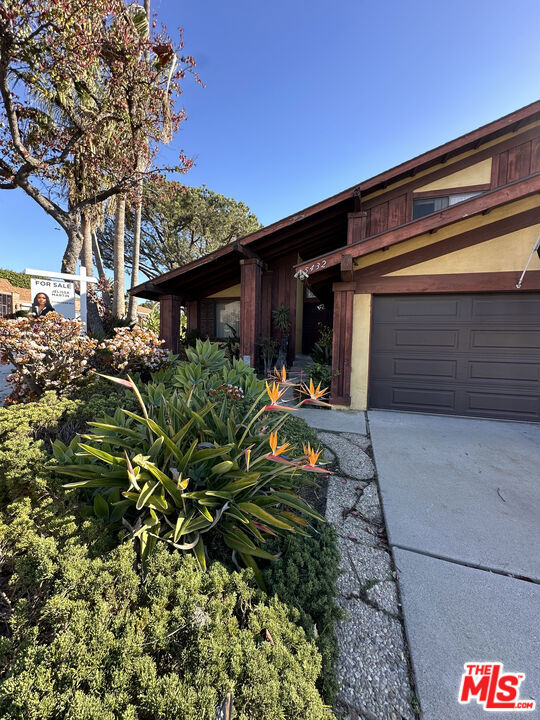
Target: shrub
<point>96,644</point>
<point>22,455</point>
<point>49,353</point>
<point>16,279</point>
<point>322,350</point>
<point>320,374</point>
<point>190,472</point>
<point>305,579</point>
<point>132,350</point>
<point>82,637</point>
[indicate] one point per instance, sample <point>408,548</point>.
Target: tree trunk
<point>73,249</point>
<point>95,326</point>
<point>106,297</point>
<point>119,304</point>
<point>132,311</point>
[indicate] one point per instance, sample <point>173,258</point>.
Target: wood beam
<point>250,307</point>
<point>456,242</point>
<point>457,282</point>
<point>347,273</point>
<point>502,196</point>
<point>169,321</point>
<point>342,346</point>
<point>356,227</point>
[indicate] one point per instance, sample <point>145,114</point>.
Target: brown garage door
<point>475,355</point>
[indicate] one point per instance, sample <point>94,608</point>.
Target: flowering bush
<point>133,350</point>
<point>49,353</point>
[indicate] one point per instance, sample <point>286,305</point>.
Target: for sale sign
<point>53,295</point>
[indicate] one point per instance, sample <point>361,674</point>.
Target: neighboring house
<point>13,298</point>
<point>418,267</point>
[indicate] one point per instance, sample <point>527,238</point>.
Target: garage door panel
<point>461,354</point>
<point>506,371</point>
<point>507,403</point>
<point>416,308</point>
<point>518,309</point>
<point>524,339</point>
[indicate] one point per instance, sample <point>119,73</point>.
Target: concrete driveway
<point>461,499</point>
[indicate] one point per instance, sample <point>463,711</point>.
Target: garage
<point>462,354</point>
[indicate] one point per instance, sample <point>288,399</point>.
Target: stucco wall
<point>233,291</point>
<point>360,351</point>
<point>477,174</point>
<point>504,253</point>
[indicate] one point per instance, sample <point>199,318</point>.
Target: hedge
<point>83,638</point>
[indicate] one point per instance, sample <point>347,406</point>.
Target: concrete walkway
<point>372,666</point>
<point>461,500</point>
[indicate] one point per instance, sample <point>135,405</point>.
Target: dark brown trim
<point>226,250</point>
<point>441,154</point>
<point>169,321</point>
<point>342,345</point>
<point>446,170</point>
<point>517,190</point>
<point>347,269</point>
<point>458,282</point>
<point>356,226</point>
<point>250,307</point>
<point>451,244</point>
<point>451,191</point>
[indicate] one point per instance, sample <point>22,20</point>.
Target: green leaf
<point>205,513</point>
<point>222,467</point>
<point>207,453</point>
<point>101,507</point>
<point>267,517</point>
<point>250,562</point>
<point>295,502</point>
<point>199,554</point>
<point>101,455</point>
<point>117,428</point>
<point>246,550</point>
<point>145,494</point>
<point>119,510</point>
<point>178,528</point>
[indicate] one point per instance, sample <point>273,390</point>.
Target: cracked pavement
<point>373,669</point>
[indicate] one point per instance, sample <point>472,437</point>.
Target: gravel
<point>352,459</point>
<point>372,667</point>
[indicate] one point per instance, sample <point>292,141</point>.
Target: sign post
<point>81,278</point>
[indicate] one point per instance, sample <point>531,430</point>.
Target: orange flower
<point>281,377</point>
<point>276,452</point>
<point>311,457</point>
<point>274,393</point>
<point>247,453</point>
<point>274,445</point>
<point>314,394</point>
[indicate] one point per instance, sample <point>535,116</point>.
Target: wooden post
<point>169,321</point>
<point>356,227</point>
<point>192,313</point>
<point>342,344</point>
<point>250,307</point>
<point>266,303</point>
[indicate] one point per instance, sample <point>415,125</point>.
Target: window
<point>426,206</point>
<point>6,305</point>
<point>227,313</point>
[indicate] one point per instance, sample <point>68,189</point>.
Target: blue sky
<point>304,99</point>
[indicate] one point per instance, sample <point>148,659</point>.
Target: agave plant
<point>186,471</point>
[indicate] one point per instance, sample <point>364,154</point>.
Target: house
<point>416,269</point>
<point>13,298</point>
